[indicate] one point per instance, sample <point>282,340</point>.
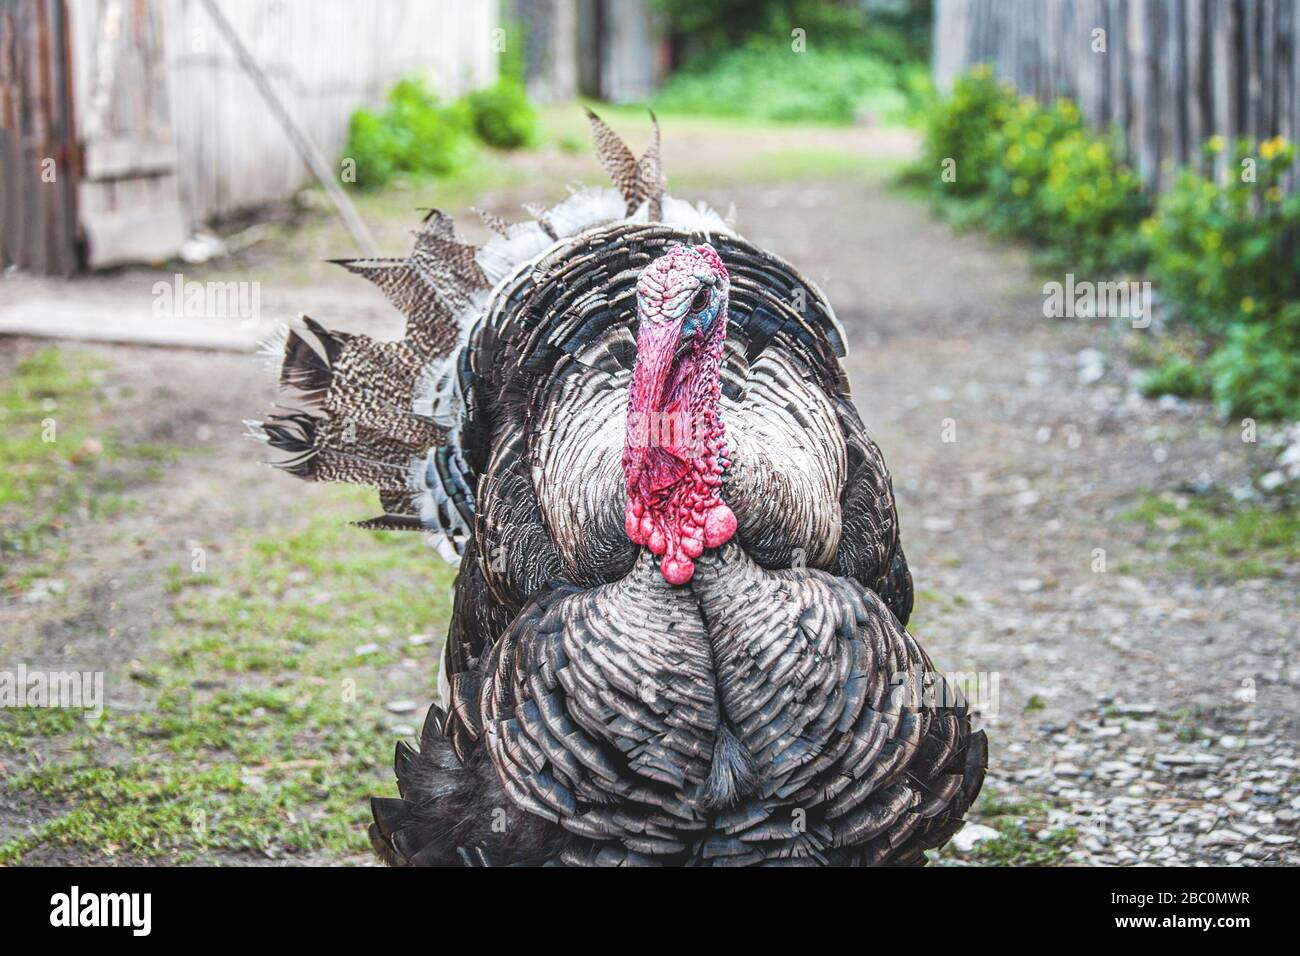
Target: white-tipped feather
<point>444,685</point>
<point>425,391</point>
<point>502,253</point>
<point>446,550</point>
<point>583,210</point>
<point>448,403</point>
<point>271,349</point>
<point>700,216</point>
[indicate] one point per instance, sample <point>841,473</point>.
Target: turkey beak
<point>658,345</point>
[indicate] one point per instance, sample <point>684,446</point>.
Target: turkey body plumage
<point>772,709</point>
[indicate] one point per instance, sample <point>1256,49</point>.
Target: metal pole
<point>306,148</point>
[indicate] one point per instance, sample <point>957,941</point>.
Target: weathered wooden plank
<point>76,318</point>
<point>116,157</point>
<point>1196,44</point>
<point>38,146</point>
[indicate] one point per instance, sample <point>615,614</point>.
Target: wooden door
<point>128,196</point>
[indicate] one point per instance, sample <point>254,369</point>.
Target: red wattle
<point>719,526</point>
<point>677,571</point>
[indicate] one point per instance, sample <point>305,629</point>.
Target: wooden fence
<point>1168,73</point>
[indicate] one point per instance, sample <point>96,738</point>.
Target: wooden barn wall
<point>38,154</point>
<point>325,57</point>
<point>1174,72</point>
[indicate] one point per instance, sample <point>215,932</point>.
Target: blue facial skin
<point>700,322</point>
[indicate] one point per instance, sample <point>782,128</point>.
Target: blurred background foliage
<point>857,61</point>
<point>854,61</point>
<point>1222,253</point>
<point>898,32</point>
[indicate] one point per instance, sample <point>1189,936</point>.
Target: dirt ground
<point>1144,712</point>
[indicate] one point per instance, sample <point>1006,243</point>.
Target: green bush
<point>1256,371</point>
<point>502,115</point>
<point>1224,253</point>
<point>369,148</point>
<point>417,133</point>
<point>1092,204</point>
<point>1024,145</point>
<point>414,134</point>
<point>1036,172</point>
<point>1177,376</point>
<point>426,136</point>
<point>899,30</point>
<point>1225,256</point>
<point>964,128</point>
<point>772,82</point>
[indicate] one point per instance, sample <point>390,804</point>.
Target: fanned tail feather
<point>638,180</point>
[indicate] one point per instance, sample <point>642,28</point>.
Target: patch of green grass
<point>1218,539</point>
<point>265,731</point>
<point>929,605</point>
<point>1022,825</point>
<point>59,461</point>
<point>47,455</point>
<point>1177,377</point>
<point>772,82</point>
<point>788,164</point>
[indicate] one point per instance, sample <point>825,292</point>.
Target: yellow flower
<point>1215,143</point>
<point>1269,148</point>
<point>1247,304</point>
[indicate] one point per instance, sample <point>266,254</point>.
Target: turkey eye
<point>701,300</point>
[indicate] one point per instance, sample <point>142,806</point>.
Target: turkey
<point>678,627</point>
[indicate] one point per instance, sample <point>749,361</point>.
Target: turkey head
<point>675,449</point>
